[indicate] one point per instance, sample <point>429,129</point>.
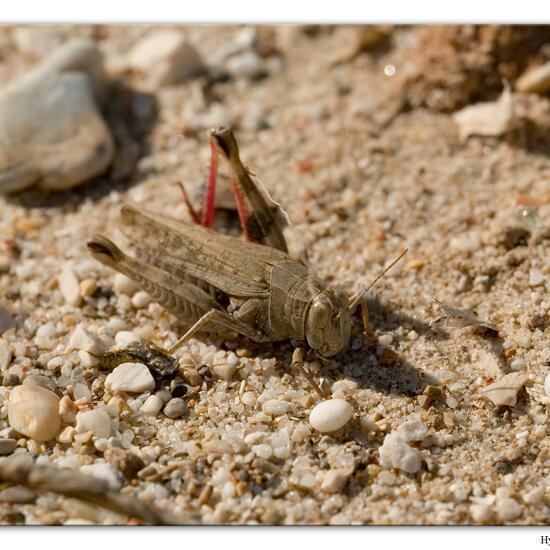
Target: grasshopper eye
<point>321,314</point>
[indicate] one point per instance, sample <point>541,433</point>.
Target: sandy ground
<point>360,178</point>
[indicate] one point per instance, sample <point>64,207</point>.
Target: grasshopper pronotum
<point>213,281</point>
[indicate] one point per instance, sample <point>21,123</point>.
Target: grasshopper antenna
<point>356,298</point>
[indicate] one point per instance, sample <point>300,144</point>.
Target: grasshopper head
<point>328,322</point>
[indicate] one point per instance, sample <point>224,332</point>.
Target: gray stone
<point>11,379</point>
<point>6,319</point>
<point>175,408</point>
<point>51,131</point>
<point>79,55</point>
<point>7,446</point>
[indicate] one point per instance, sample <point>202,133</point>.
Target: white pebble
<point>481,513</point>
<point>385,339</point>
<point>96,421</point>
<point>141,299</point>
<point>152,405</point>
<point>46,331</point>
<point>274,407</point>
<point>547,385</point>
<point>413,430</point>
<point>516,364</point>
<point>82,391</point>
<point>334,480</point>
<point>508,509</point>
<point>330,415</point>
<point>34,412</point>
<point>263,450</point>
<point>125,337</point>
<point>395,453</point>
<point>83,339</point>
<point>232,359</point>
<point>535,277</point>
<point>386,477</point>
<point>535,496</point>
<point>224,372</point>
<point>166,57</point>
<point>101,444</point>
<point>69,285</point>
<point>87,359</point>
<point>125,285</point>
<point>130,377</point>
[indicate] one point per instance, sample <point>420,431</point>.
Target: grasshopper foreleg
<point>298,363</point>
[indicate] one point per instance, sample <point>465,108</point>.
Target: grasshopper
<point>212,281</point>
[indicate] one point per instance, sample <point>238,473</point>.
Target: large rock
<point>51,130</point>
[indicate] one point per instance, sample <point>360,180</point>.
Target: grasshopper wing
<point>235,267</point>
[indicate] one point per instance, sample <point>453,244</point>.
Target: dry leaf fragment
<point>493,118</point>
<point>505,391</point>
<point>460,317</point>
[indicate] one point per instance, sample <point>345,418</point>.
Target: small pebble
<point>385,339</point>
<point>130,377</point>
<point>505,390</point>
<point>481,513</point>
<point>395,453</point>
<point>547,385</point>
<point>124,338</point>
<point>33,411</point>
<point>274,407</point>
<point>535,277</point>
<point>535,496</point>
<point>87,287</point>
<point>152,405</point>
<point>141,299</point>
<point>7,446</point>
<point>516,364</point>
<point>125,285</point>
<point>508,509</point>
<point>386,477</point>
<point>175,408</point>
<point>535,80</point>
<point>164,56</point>
<point>329,416</point>
<point>10,379</point>
<point>87,359</point>
<point>67,435</point>
<point>176,390</point>
<point>46,331</point>
<point>83,339</point>
<point>263,450</point>
<point>414,430</point>
<point>6,319</point>
<point>69,285</point>
<point>334,480</point>
<point>224,372</point>
<point>96,421</point>
<point>82,391</point>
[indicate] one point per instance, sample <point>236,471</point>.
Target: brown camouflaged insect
<point>213,281</point>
